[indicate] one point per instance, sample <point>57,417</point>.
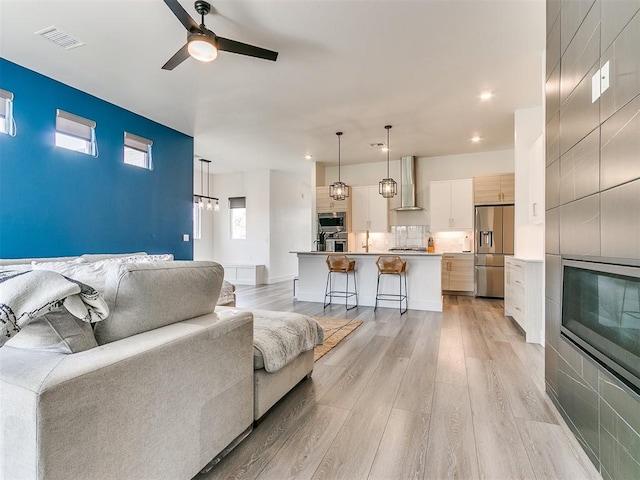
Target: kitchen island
<point>424,287</point>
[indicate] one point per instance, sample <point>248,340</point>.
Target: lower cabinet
<point>523,296</point>
<point>245,274</point>
<point>457,272</point>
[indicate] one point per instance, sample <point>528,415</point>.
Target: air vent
<point>60,38</point>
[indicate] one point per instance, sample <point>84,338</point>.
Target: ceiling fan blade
<point>180,56</point>
<point>186,20</point>
<point>232,46</point>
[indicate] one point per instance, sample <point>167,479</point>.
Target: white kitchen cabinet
<point>451,204</point>
<point>536,182</point>
<point>523,296</point>
<point>369,210</point>
<point>457,272</point>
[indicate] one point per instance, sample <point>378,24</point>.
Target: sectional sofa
<point>166,386</point>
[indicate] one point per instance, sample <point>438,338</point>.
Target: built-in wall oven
<point>336,244</point>
<point>601,315</point>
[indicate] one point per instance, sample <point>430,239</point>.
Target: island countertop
<point>424,286</point>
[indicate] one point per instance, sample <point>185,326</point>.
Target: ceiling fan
<point>202,44</point>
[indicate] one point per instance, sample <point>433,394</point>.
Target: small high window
<point>137,151</point>
<point>238,218</point>
<point>76,133</point>
<point>7,123</point>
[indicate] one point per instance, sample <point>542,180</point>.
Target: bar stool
<point>392,265</point>
<point>341,264</point>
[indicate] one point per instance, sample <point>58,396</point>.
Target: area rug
<point>335,330</point>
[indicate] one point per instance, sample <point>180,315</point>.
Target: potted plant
<point>321,242</point>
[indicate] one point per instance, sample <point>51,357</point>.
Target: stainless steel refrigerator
<point>494,240</point>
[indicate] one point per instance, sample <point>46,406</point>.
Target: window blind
<point>5,98</point>
<point>74,125</point>
<point>237,202</point>
<point>137,143</point>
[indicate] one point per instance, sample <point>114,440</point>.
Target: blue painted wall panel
<point>56,202</point>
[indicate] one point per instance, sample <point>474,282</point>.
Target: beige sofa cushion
<point>145,296</point>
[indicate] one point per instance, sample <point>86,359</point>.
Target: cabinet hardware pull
<point>517,308</point>
<point>535,209</point>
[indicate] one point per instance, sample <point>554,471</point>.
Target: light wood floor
<point>457,394</point>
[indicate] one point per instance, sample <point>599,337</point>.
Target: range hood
<point>407,185</point>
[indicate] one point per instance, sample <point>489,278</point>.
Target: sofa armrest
<point>160,404</point>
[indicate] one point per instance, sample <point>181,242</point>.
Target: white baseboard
<point>283,278</point>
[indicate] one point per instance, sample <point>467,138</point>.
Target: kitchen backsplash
<point>406,236</point>
<point>453,241</point>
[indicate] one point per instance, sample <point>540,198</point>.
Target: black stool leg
<point>377,290</point>
<point>327,288</point>
<point>406,295</point>
<point>347,294</point>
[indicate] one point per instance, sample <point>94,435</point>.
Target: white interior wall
<point>203,247</point>
<point>279,220</point>
<point>253,185</point>
<point>450,167</point>
<point>291,201</point>
<point>529,239</point>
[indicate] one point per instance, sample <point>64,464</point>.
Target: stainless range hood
<point>408,185</point>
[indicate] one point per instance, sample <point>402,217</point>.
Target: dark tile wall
<point>593,207</point>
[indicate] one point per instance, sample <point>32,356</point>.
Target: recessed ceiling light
<point>486,95</point>
<point>308,157</point>
<point>475,139</point>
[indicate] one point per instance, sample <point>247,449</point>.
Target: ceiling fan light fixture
<point>201,47</point>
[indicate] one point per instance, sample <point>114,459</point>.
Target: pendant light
<point>339,190</point>
<point>199,199</point>
<point>388,186</point>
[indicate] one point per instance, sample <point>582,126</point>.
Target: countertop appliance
<point>494,232</point>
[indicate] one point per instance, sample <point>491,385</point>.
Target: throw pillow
<point>56,331</point>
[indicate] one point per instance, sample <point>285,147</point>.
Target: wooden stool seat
<point>345,265</point>
<point>392,265</point>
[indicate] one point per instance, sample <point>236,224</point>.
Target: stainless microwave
<point>332,222</point>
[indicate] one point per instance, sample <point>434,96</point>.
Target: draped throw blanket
<point>25,295</point>
<point>282,336</point>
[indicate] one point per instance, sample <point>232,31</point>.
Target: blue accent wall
<point>56,202</point>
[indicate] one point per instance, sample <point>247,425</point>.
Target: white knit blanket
<point>282,336</point>
<point>29,294</point>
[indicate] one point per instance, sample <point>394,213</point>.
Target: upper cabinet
<point>451,205</point>
<point>494,189</point>
<point>370,210</point>
<point>326,204</point>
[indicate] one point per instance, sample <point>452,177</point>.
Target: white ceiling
<point>344,65</point>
